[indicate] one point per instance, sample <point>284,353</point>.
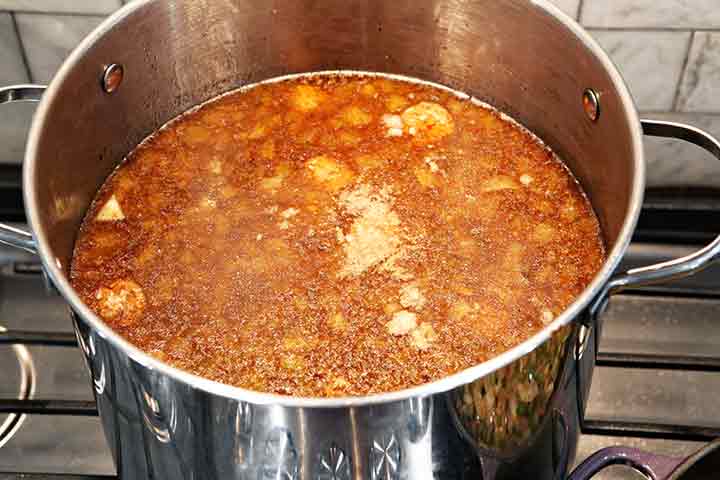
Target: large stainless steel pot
<point>515,416</point>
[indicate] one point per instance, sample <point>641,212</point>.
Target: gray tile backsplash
<point>675,14</point>
<point>700,86</point>
<point>12,67</point>
<point>650,62</point>
<point>568,6</point>
<point>62,6</point>
<point>13,133</point>
<point>649,40</point>
<point>678,163</point>
<point>48,39</point>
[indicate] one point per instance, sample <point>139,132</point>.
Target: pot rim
<point>54,268</point>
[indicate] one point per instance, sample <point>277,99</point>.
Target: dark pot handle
<point>655,467</point>
<point>9,235</point>
<point>680,267</point>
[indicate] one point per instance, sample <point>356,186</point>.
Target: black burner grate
<point>50,476</point>
<point>591,426</point>
<point>666,230</point>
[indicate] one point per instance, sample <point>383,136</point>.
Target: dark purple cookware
<point>702,465</point>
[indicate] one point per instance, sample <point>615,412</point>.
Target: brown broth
<point>331,235</point>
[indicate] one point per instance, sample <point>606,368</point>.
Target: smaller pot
<point>701,465</point>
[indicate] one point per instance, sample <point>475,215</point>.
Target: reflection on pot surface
<point>503,410</point>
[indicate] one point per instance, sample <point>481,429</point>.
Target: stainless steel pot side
<point>515,416</point>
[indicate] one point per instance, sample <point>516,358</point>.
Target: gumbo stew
<point>336,234</point>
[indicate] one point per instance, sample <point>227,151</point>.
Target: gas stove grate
<point>591,426</point>
<point>45,406</point>
<point>50,476</point>
<point>669,227</point>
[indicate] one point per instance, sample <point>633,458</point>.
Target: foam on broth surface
<point>336,234</point>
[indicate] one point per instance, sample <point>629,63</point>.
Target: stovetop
<point>655,387</point>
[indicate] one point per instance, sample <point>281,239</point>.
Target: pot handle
<point>9,235</point>
<point>680,267</point>
<point>654,467</point>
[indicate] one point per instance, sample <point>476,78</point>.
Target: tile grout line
<point>581,5</point>
<point>704,113</point>
<point>683,72</point>
<point>23,52</point>
<point>57,14</point>
<point>650,29</point>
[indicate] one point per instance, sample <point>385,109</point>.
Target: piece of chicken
<point>123,301</point>
<point>428,121</point>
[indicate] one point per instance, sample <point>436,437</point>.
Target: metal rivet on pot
<point>112,77</point>
<point>591,104</point>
